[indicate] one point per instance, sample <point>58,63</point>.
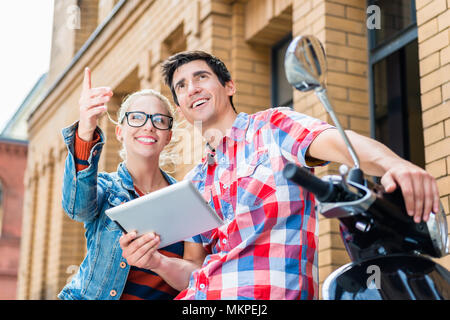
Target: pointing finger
<point>87,79</point>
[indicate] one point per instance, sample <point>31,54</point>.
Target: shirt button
<point>202,286</point>
<point>123,265</point>
<point>94,153</point>
<point>224,241</point>
<point>113,293</point>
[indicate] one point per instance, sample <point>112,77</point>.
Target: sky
<point>25,35</point>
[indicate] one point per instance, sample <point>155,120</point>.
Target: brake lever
<point>343,171</point>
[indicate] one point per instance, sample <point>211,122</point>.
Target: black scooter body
<point>401,277</point>
<point>385,265</point>
<point>389,251</point>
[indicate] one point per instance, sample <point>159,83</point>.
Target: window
<point>281,89</point>
<point>395,82</point>
<point>396,16</point>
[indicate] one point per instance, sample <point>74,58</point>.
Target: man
<point>268,247</point>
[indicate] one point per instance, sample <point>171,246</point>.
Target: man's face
<point>200,94</point>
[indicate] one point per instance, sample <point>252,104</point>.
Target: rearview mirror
<point>306,63</point>
<point>305,66</point>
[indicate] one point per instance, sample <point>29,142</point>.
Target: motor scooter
<point>391,254</point>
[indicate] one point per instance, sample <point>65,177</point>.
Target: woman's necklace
<point>143,191</point>
<point>140,190</point>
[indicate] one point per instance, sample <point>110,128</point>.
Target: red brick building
<point>13,161</point>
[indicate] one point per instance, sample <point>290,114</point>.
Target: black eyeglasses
<point>138,119</point>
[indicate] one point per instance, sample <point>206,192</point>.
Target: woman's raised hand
<point>92,106</point>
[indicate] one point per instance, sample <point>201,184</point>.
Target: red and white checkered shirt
<point>267,248</point>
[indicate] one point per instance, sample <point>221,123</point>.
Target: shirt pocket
<point>255,179</point>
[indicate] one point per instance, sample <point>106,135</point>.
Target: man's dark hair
<point>174,62</point>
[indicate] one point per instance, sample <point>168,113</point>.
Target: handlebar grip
<point>323,190</point>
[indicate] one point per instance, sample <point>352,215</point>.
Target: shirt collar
<point>239,127</point>
<point>125,176</point>
<point>236,133</point>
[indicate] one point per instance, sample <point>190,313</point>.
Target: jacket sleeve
<point>83,191</point>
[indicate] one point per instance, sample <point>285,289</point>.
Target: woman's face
<point>146,141</point>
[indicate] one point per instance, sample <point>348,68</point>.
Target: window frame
<point>383,50</point>
<point>274,96</point>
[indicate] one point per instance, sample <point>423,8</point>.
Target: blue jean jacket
<point>85,197</point>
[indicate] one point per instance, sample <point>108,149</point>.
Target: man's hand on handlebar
<point>419,189</point>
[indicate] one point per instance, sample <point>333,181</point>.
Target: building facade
<point>13,160</point>
<point>124,43</point>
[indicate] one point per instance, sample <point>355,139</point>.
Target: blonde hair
<point>166,157</point>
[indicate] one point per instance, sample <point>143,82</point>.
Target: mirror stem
<point>322,95</point>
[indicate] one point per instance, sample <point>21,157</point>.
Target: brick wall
<point>433,20</point>
<point>13,157</point>
<point>88,21</point>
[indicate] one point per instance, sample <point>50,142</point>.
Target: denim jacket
<point>85,197</point>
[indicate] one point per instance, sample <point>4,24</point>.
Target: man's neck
<point>214,133</point>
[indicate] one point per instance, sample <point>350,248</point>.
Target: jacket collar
<point>127,181</point>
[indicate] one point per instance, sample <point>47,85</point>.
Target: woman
<point>144,126</point>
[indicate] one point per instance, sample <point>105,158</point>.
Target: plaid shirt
<point>267,248</point>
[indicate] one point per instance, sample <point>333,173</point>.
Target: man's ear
<point>230,88</point>
<point>119,133</point>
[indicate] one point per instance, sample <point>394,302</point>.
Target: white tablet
<point>175,213</point>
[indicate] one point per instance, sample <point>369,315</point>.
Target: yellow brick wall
<point>88,21</point>
<point>433,21</point>
<point>126,56</point>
